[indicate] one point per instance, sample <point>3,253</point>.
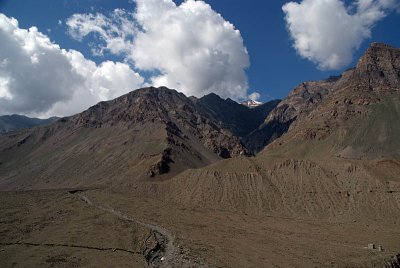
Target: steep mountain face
<point>379,68</point>
<point>231,115</point>
<point>300,101</point>
<point>16,122</point>
<point>147,132</point>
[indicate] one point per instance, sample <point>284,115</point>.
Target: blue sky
<point>275,65</point>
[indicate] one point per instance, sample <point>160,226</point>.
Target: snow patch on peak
<point>251,103</point>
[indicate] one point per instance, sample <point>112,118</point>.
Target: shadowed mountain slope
<point>239,119</point>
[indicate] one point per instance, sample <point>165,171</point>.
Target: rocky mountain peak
<point>380,67</point>
<point>212,96</point>
<point>141,105</point>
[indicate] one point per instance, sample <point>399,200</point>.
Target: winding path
<point>163,254</point>
<point>67,246</point>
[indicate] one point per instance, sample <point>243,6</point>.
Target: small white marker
<point>162,258</point>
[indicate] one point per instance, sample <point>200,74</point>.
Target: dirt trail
<point>67,246</point>
<point>163,253</point>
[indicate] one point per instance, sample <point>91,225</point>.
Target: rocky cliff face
<point>379,68</point>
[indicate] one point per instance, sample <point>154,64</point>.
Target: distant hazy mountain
<point>16,122</point>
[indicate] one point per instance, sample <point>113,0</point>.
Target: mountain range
<point>168,132</point>
<point>326,159</point>
<point>16,122</point>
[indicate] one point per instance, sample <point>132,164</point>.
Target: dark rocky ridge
<point>237,118</point>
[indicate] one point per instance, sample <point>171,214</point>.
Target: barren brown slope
<point>145,133</point>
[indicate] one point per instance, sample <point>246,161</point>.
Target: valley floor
<point>58,229</point>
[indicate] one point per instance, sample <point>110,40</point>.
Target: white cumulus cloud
<point>116,30</point>
<point>188,47</point>
<point>255,96</point>
<point>327,32</point>
<point>38,78</point>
